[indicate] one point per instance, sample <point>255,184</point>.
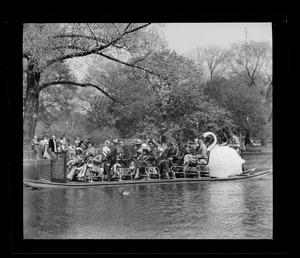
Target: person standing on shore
<point>53,143</point>
<point>44,144</point>
<point>35,146</point>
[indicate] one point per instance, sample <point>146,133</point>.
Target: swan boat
<point>223,164</point>
<point>42,183</point>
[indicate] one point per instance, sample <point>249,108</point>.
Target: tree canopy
<point>134,86</point>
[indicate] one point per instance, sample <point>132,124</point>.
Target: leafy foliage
<point>171,100</point>
<point>167,95</point>
<point>249,111</point>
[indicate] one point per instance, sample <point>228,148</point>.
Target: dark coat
<point>51,145</point>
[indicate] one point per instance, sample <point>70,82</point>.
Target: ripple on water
<point>205,210</point>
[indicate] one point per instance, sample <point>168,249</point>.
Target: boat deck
<point>49,184</point>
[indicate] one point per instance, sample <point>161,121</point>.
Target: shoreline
<point>258,152</point>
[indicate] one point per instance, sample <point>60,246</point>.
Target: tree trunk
<point>263,142</point>
<point>247,138</point>
<point>31,103</point>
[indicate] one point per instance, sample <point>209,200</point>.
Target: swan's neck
<point>213,144</point>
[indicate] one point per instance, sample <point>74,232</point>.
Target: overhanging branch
<point>93,50</point>
<point>64,82</point>
<point>129,64</point>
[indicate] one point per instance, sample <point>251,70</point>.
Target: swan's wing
<point>224,161</point>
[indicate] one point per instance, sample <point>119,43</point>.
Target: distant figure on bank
<point>53,143</point>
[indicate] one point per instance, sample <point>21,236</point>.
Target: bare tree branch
<point>117,28</point>
<point>128,64</point>
<point>60,82</point>
<point>73,35</point>
<point>69,47</point>
<point>78,54</point>
<point>97,43</point>
<point>269,90</point>
<point>93,50</point>
<point>135,29</point>
<point>127,26</point>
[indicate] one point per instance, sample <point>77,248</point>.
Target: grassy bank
<point>268,148</point>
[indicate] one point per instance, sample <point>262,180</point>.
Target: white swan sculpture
<point>223,160</point>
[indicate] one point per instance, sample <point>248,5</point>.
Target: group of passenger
<point>89,161</point>
<point>85,160</point>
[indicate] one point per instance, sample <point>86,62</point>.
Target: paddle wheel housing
<point>58,168</point>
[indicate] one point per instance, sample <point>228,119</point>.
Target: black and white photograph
<point>147,131</point>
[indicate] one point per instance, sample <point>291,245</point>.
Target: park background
<point>105,81</point>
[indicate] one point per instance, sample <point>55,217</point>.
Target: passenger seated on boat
<point>138,162</point>
<point>74,170</point>
<point>189,159</point>
<point>200,152</point>
<point>151,155</point>
<point>109,160</point>
<point>96,165</point>
<point>84,171</point>
<point>75,159</point>
<point>71,152</point>
<point>75,165</point>
<point>165,160</point>
<point>88,153</point>
<point>152,147</point>
<point>120,149</point>
<point>145,159</point>
<point>160,149</point>
<point>106,152</point>
<point>106,148</point>
<point>177,159</point>
<point>136,155</point>
<point>124,156</point>
<point>196,154</point>
<point>119,157</point>
<point>148,158</point>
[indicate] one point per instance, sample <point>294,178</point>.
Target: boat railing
<point>124,173</point>
<point>200,169</point>
<point>152,171</point>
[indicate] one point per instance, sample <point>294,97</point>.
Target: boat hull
<point>49,184</point>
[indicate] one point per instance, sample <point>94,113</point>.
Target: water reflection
<point>207,210</point>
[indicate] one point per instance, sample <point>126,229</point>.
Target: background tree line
<point>134,86</point>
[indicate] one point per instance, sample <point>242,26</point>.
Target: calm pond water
<point>201,210</point>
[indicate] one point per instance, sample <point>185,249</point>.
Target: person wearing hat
<point>106,148</point>
<point>90,151</point>
<point>120,149</point>
<point>196,155</point>
<point>152,155</point>
<point>153,149</point>
<point>165,161</point>
<point>136,154</point>
<point>137,149</point>
<point>119,156</point>
<point>105,156</point>
<point>110,159</point>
